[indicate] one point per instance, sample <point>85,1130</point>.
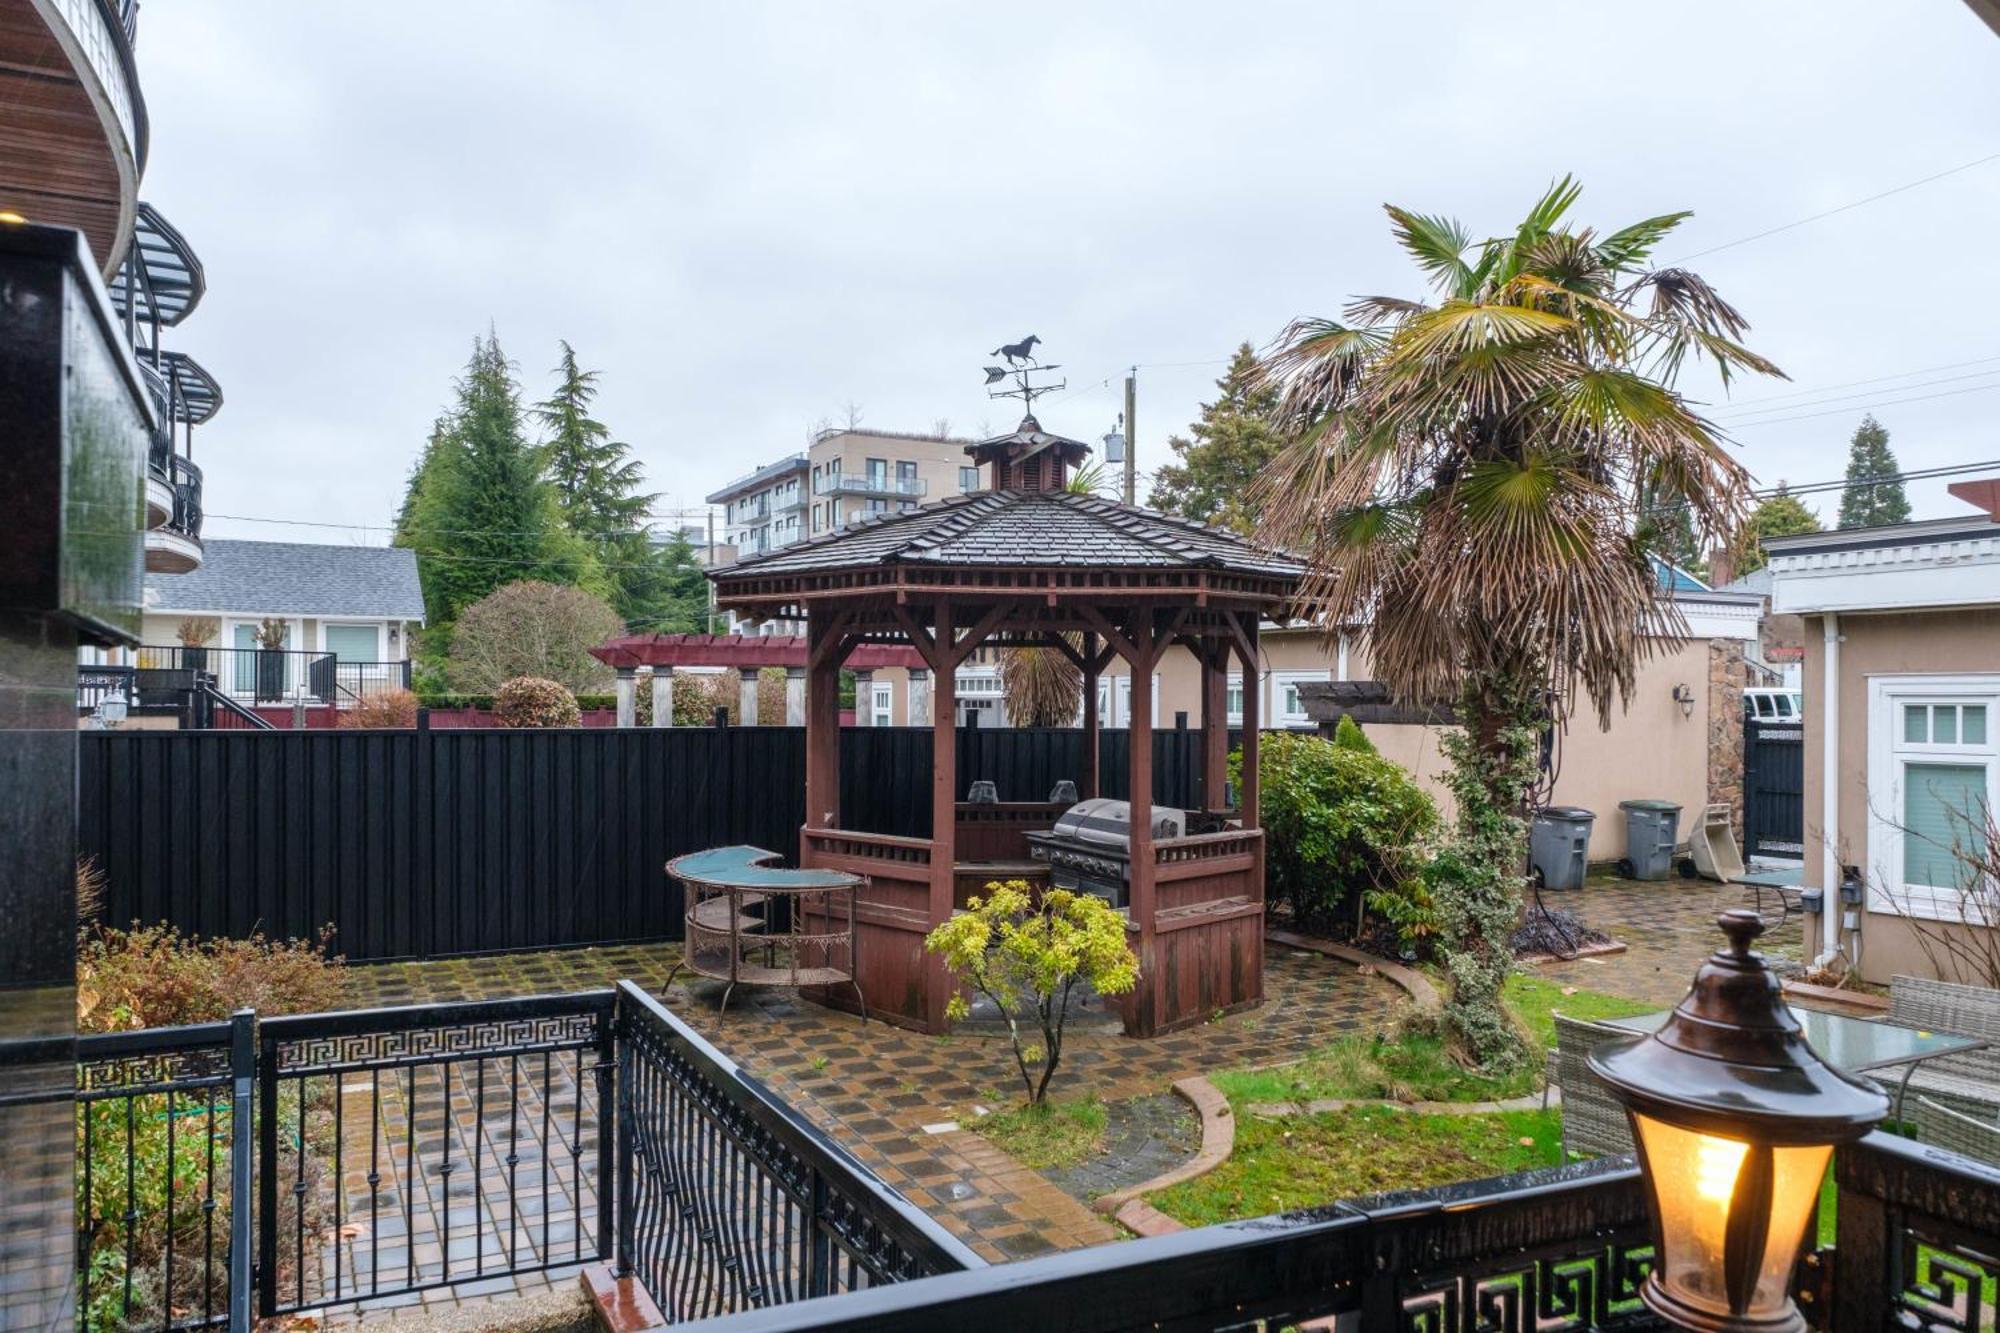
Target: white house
<point>356,603</point>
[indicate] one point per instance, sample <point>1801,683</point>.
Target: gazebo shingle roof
<point>1013,528</point>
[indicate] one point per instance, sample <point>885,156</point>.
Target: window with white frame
<point>1287,710</point>
<point>1233,693</point>
<point>1933,776</point>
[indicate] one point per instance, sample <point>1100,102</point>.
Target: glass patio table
<point>1851,1045</point>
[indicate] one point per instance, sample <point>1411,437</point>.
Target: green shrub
<point>531,701</point>
<point>1338,823</point>
<point>1349,736</point>
<point>130,1150</point>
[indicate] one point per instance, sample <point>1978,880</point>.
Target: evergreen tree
<point>1667,528</point>
<point>1870,506</point>
<point>479,514</point>
<point>653,586</point>
<point>1232,442</point>
<point>1781,514</point>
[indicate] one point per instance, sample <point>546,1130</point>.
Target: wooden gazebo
<point>1025,563</point>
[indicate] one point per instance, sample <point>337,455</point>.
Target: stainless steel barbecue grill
<point>1090,848</point>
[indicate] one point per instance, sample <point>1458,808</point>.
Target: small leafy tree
<point>198,631</point>
<point>1779,514</point>
<point>1347,734</point>
<point>272,633</point>
<point>1027,957</point>
<point>531,628</point>
<point>530,702</point>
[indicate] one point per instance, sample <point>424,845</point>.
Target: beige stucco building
<point>1679,739</point>
<point>1902,737</point>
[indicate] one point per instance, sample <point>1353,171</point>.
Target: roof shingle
<point>294,579</point>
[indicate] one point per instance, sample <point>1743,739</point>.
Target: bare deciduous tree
<point>532,629</point>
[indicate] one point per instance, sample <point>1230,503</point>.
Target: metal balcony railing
<point>872,483</point>
<point>185,478</point>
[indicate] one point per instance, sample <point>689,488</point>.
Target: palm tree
<point>1473,477</point>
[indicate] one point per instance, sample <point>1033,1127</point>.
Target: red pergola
<point>1028,564</point>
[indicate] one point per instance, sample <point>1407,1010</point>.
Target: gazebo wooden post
<point>1143,904</point>
<point>1214,724</point>
<point>1086,778</point>
<point>825,637</point>
<point>944,804</point>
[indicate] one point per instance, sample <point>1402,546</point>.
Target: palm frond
<point>1626,247</point>
<point>1438,244</point>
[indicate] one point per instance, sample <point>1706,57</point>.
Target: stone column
<point>746,698</point>
<point>864,698</point>
<point>1726,675</point>
<point>795,697</point>
<point>920,697</point>
<point>663,696</point>
<point>628,697</point>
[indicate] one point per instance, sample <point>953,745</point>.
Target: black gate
<point>1774,773</point>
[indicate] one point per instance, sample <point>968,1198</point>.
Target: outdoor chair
<point>1969,1136</point>
<point>1967,1082</point>
<point>1593,1123</point>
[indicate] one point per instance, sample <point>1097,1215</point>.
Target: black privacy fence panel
<point>430,843</point>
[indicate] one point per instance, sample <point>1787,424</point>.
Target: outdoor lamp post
<point>1735,1118</point>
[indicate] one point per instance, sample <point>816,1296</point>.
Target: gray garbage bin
<point>1651,830</point>
<point>1559,845</point>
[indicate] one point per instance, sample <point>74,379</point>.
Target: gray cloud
<point>746,216</point>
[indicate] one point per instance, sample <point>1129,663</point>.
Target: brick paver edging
<point>1410,981</point>
<point>1218,1139</point>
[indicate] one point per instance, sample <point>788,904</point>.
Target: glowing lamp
<point>1735,1119</point>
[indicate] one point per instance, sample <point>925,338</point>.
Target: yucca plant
<point>1475,477</point>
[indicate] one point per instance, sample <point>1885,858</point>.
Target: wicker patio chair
<point>1593,1123</point>
<point>1969,1136</point>
<point>1967,1082</point>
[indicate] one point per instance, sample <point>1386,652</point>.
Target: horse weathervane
<point>1022,364</point>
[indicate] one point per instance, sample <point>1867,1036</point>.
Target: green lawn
<point>1301,1161</point>
<point>1417,1068</point>
<point>1054,1134</point>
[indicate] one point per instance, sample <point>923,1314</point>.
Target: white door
<point>881,704</point>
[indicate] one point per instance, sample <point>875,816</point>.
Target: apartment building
<point>763,510</point>
<point>858,473</point>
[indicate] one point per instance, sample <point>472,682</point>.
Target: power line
<point>1857,203</point>
<point>1863,397</point>
<point>1848,384</point>
<point>1849,411</point>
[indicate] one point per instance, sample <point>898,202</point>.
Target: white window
<point>1933,776</point>
<point>1234,695</point>
<point>1286,708</point>
<point>881,704</point>
<point>1114,702</point>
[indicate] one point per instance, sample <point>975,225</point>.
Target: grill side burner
<point>1090,848</point>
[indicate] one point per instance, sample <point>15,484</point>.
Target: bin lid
<point>1660,806</point>
<point>1566,812</point>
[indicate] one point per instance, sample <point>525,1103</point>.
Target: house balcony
<point>174,547</point>
<point>76,142</point>
<point>873,484</point>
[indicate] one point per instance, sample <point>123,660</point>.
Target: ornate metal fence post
<point>242,1115</point>
<point>819,1252</point>
<point>614,1110</point>
<point>267,1175</point>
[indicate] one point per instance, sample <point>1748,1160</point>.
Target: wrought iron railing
<point>475,1129</point>
<point>732,1200</point>
<point>186,480</point>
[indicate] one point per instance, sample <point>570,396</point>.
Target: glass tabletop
<point>1853,1044</point>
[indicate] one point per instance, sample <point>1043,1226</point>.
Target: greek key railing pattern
<point>731,1201</point>
<point>1571,1293</point>
<point>402,1150</point>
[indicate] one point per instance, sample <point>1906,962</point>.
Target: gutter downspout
<point>1829,710</point>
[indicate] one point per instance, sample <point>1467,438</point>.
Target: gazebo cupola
<point>1030,459</point>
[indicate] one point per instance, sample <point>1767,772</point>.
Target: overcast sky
<point>749,216</point>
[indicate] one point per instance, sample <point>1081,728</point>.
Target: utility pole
<point>1131,436</point>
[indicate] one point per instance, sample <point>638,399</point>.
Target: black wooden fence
<point>1774,785</point>
<point>418,844</point>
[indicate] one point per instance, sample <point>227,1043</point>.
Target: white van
<point>1770,705</point>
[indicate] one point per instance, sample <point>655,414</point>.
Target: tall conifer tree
<point>1234,439</point>
<point>1872,505</point>
<point>479,514</point>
